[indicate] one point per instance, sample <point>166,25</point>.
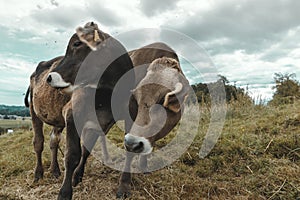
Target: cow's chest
<point>48,104</point>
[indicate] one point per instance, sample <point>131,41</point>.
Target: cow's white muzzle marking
<point>137,144</point>
<point>54,79</point>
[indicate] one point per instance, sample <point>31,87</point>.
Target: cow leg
<point>143,164</point>
<point>89,137</point>
<point>79,171</point>
<point>125,179</point>
<point>106,157</point>
<point>73,154</point>
<point>54,144</point>
<point>38,144</point>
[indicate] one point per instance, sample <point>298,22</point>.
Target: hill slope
<point>256,157</point>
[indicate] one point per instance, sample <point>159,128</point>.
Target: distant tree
<point>287,88</point>
<point>233,93</point>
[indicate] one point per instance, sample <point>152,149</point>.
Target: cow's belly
<point>48,103</point>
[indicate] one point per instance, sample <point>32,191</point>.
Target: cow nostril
<point>138,147</point>
<point>49,79</point>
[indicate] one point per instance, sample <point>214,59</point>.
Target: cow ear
<point>174,104</point>
<point>174,98</point>
<point>175,107</point>
<point>90,38</point>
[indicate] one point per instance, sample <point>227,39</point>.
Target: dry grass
<point>15,124</point>
<point>256,157</point>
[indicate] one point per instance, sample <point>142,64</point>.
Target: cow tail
<point>26,97</point>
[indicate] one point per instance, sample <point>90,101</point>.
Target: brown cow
<point>46,105</point>
<point>158,98</point>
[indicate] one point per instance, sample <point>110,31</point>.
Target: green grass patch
<point>14,124</point>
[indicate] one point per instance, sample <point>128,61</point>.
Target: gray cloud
<point>65,17</point>
<point>71,17</point>
<point>250,25</point>
<point>283,47</point>
<point>155,7</point>
<point>103,14</point>
<point>138,38</point>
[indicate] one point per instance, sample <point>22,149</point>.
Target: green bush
<point>287,89</point>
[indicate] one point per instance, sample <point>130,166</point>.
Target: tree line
<point>232,92</point>
<point>14,110</point>
<point>286,90</point>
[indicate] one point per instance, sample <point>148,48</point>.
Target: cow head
<point>80,45</point>
<point>159,98</point>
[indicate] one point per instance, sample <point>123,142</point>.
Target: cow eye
<point>77,43</point>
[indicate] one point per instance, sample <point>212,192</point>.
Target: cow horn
<point>96,36</point>
<point>178,88</point>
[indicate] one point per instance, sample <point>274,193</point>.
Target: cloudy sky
<point>246,40</point>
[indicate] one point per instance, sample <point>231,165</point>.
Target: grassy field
<point>256,157</point>
<point>15,124</point>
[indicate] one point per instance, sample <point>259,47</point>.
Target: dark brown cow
<point>91,82</point>
<point>47,103</point>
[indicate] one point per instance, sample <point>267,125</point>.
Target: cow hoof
<point>56,173</point>
<point>123,191</point>
<point>63,198</point>
<point>64,195</point>
<point>38,174</point>
<point>36,180</point>
<point>123,194</point>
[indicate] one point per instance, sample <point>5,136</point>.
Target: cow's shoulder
<point>45,65</point>
<point>149,53</point>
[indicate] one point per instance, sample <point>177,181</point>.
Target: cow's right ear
<point>174,99</point>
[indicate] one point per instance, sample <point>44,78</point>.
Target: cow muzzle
<point>137,144</point>
<point>55,80</point>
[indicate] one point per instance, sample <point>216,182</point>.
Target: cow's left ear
<point>90,38</point>
<point>172,99</point>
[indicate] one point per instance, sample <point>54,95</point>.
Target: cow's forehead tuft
<point>91,25</point>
